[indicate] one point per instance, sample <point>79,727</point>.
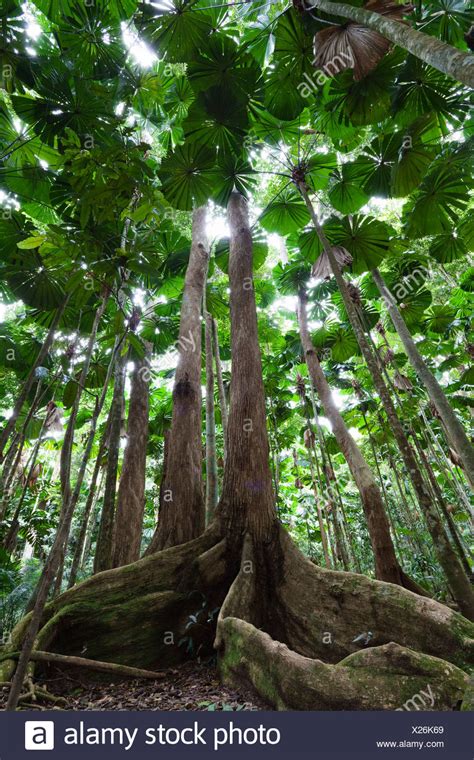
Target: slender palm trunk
<point>66,449</point>
<point>454,429</point>
<point>104,547</point>
<point>131,492</point>
<point>387,567</point>
<point>212,493</point>
<point>11,537</point>
<point>322,526</point>
<point>88,509</point>
<point>447,557</point>
<point>56,555</point>
<point>182,511</point>
<point>22,396</point>
<point>220,383</point>
<point>440,55</point>
<point>93,525</point>
<point>333,496</point>
<point>443,506</point>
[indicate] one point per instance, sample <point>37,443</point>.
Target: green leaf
<point>175,28</point>
<point>319,168</point>
<point>285,214</point>
<point>186,176</point>
<point>366,238</point>
<point>422,89</point>
<point>434,206</point>
<point>418,147</point>
<point>54,9</point>
<point>345,191</point>
<point>438,318</point>
<point>412,305</point>
<point>448,247</point>
<point>217,120</point>
<point>448,20</point>
<point>222,63</point>
<point>282,96</point>
<point>36,287</point>
<point>137,345</point>
<point>310,245</point>
<point>343,344</point>
<point>232,173</point>
<point>467,377</point>
<point>367,101</point>
<point>31,242</point>
<point>70,393</point>
<point>375,164</point>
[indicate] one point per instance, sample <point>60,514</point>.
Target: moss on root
<point>134,615</point>
<point>285,626</point>
<point>390,678</point>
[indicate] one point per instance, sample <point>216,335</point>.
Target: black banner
<point>201,735</point>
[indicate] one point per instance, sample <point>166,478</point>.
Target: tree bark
<point>9,542</point>
<point>267,590</point>
<point>182,515</point>
<point>88,509</point>
<point>66,449</point>
<point>387,567</point>
<point>62,534</point>
<point>43,352</point>
<point>446,58</point>
<point>220,384</point>
<point>447,557</point>
<point>104,546</point>
<point>454,429</point>
<point>212,492</point>
<point>112,668</point>
<point>247,501</point>
<point>443,506</point>
<point>131,492</point>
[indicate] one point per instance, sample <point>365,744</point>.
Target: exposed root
<point>389,678</point>
<point>98,665</point>
<point>133,615</point>
<point>35,695</point>
<point>291,629</point>
<point>308,659</point>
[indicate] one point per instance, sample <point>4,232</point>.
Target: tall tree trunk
<point>212,493</point>
<point>454,429</point>
<point>66,449</point>
<point>22,396</point>
<point>220,384</point>
<point>322,526</point>
<point>104,546</point>
<point>274,603</point>
<point>446,58</point>
<point>387,567</point>
<point>93,526</point>
<point>182,515</point>
<point>443,506</point>
<point>131,492</point>
<point>62,534</point>
<point>9,542</point>
<point>247,500</point>
<point>447,557</point>
<point>333,495</point>
<point>88,509</point>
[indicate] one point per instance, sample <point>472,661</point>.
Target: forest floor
<point>191,686</point>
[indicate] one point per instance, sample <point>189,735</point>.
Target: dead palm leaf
<point>322,268</point>
<point>354,46</point>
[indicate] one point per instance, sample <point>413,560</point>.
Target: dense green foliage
<point>116,119</point>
